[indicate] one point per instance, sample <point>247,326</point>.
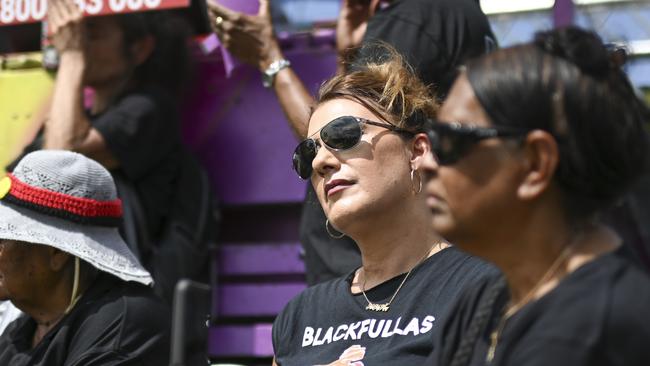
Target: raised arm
<point>67,127</point>
<point>252,40</point>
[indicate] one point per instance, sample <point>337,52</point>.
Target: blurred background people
<point>364,157</point>
<point>85,296</point>
<point>136,65</point>
<point>532,144</point>
<point>435,37</point>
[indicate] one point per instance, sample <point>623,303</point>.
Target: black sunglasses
<point>451,141</point>
<point>340,134</point>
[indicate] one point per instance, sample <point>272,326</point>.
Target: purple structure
<point>563,13</point>
<point>237,129</point>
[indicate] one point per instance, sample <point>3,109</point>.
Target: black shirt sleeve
<point>140,131</point>
<point>435,36</point>
<point>411,39</point>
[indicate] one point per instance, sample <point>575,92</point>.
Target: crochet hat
<point>67,201</point>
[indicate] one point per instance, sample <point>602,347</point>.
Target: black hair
<point>565,82</point>
<point>168,65</point>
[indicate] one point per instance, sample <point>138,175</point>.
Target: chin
<point>343,216</point>
<point>443,223</point>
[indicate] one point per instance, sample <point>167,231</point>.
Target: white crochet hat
<point>67,201</point>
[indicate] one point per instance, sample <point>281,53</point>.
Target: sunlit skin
<point>374,202</point>
<point>481,186</point>
<point>501,202</point>
<point>371,170</point>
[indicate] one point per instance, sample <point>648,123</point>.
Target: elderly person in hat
<point>86,299</point>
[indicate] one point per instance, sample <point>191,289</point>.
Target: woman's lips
<point>433,201</point>
<point>336,186</point>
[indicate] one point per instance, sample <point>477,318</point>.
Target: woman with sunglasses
<point>532,143</point>
<point>363,157</point>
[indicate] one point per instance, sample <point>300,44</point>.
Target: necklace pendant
<point>378,307</point>
<point>494,340</point>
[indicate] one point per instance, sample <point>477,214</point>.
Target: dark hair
<point>387,86</point>
<point>168,65</point>
<point>566,83</point>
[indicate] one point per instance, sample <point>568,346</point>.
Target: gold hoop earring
<point>327,228</point>
<point>413,181</point>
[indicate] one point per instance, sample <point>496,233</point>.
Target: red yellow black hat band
<point>76,209</point>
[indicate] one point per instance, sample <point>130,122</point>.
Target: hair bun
<point>583,48</point>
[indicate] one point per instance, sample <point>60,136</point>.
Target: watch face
<point>269,74</point>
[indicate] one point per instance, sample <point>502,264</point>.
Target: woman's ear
<point>541,158</point>
<point>58,259</point>
<point>420,149</point>
<point>142,49</point>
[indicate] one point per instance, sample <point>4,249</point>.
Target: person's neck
<point>394,244</point>
<point>51,308</point>
<point>544,252</point>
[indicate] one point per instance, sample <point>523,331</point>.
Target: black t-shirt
<point>327,320</point>
<point>142,131</point>
<point>597,315</point>
<point>435,36</point>
<point>114,323</point>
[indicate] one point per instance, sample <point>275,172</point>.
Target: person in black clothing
<point>363,159</point>
<point>434,36</point>
<point>86,299</point>
<point>136,65</point>
<point>532,144</point>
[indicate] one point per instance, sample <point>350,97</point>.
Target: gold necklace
<point>386,306</point>
<point>494,336</point>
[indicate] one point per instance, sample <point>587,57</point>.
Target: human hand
<point>352,23</point>
<point>250,38</point>
<point>65,21</point>
<point>352,356</point>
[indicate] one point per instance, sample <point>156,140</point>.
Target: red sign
<point>29,11</point>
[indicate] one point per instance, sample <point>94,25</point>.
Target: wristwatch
<point>268,76</point>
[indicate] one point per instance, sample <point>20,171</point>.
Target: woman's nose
<point>325,161</point>
<point>429,163</point>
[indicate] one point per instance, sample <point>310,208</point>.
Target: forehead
<point>14,250</point>
<point>335,108</point>
<point>462,106</point>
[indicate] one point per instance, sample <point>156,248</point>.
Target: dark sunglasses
<point>340,134</point>
<point>451,141</point>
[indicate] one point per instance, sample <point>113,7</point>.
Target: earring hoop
<point>329,232</point>
<point>413,181</point>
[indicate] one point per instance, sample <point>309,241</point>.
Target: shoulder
<point>146,100</point>
<point>627,324</point>
<point>456,269</point>
<point>126,321</point>
<point>136,305</point>
<point>600,310</point>
<point>303,306</point>
<point>313,295</point>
